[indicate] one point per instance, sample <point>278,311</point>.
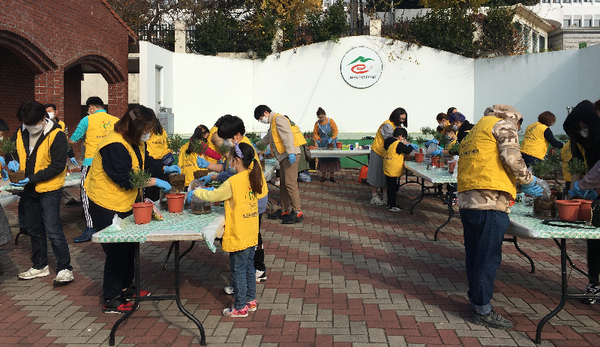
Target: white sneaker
<point>261,276</point>
<point>377,201</point>
<point>395,209</point>
<point>34,273</point>
<point>64,276</point>
<point>228,290</point>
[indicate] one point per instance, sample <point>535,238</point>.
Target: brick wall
<point>53,39</point>
<point>16,85</point>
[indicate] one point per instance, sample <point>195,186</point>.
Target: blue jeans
<point>483,233</point>
<point>42,219</point>
<point>243,277</point>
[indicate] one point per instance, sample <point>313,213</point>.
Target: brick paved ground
<point>350,275</point>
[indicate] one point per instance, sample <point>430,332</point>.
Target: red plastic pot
<point>585,209</point>
<point>339,145</point>
<point>419,157</point>
<point>568,210</point>
<point>435,161</point>
<point>175,202</point>
<point>142,212</point>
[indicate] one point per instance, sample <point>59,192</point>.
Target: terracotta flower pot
<point>339,145</point>
<point>142,212</point>
<point>435,161</point>
<point>585,209</point>
<point>175,202</point>
<point>451,166</point>
<point>419,157</point>
<point>568,210</point>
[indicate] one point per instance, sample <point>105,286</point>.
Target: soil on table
<point>15,177</point>
<point>544,208</point>
<point>177,182</point>
<point>200,173</point>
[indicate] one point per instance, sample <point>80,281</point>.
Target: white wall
<point>589,74</point>
<point>150,57</point>
<point>422,80</point>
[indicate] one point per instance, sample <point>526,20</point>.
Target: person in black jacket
<point>460,124</point>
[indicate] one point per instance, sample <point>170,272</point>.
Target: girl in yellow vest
<point>240,193</point>
<point>108,185</point>
<point>393,164</point>
<point>213,140</point>
<point>375,175</point>
<point>158,149</point>
<point>537,138</point>
<point>188,160</point>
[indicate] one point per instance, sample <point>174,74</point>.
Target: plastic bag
<point>304,176</point>
<point>546,193</point>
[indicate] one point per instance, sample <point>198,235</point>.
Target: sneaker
<point>395,209</point>
<point>232,312</point>
<point>64,276</point>
<point>591,289</point>
<point>294,217</point>
<point>34,273</point>
<point>85,236</point>
<point>377,201</point>
<point>229,290</point>
<point>492,320</point>
<point>129,293</point>
<point>279,214</point>
<point>261,276</point>
<point>252,305</point>
<point>116,305</point>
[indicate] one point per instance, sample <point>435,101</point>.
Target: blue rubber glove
<point>4,175</point>
<point>591,195</point>
<point>576,191</point>
<point>13,166</point>
<point>21,183</point>
<point>202,163</point>
<point>429,142</point>
<point>206,179</point>
<point>73,161</point>
<point>330,140</point>
<point>415,147</point>
<point>190,195</point>
<point>2,162</point>
<point>268,151</point>
<point>292,158</point>
<point>162,184</point>
<point>531,188</point>
<point>437,152</point>
<point>172,169</point>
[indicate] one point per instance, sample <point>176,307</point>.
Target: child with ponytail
<point>240,194</point>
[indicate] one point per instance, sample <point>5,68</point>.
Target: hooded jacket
<point>505,133</point>
<point>584,112</point>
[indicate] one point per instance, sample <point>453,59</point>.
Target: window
<point>547,1</point>
<point>556,1</point>
<point>577,22</point>
<point>542,43</point>
<point>574,1</point>
<point>566,23</point>
<point>566,1</point>
<point>597,22</point>
<point>587,22</point>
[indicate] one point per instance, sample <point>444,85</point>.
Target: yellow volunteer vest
<point>62,125</point>
<point>211,145</point>
<point>241,215</point>
<point>377,145</point>
<point>479,165</point>
<point>101,189</point>
<point>534,143</point>
<point>393,163</point>
<point>299,139</point>
<point>264,189</point>
<point>157,145</point>
<point>565,156</point>
<point>188,163</point>
<point>99,125</point>
<point>42,161</point>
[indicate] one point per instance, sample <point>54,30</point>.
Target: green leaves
<point>139,178</point>
<point>577,166</point>
<point>7,146</point>
<point>547,166</point>
<point>174,143</point>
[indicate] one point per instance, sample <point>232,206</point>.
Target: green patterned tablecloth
<point>524,225</point>
<point>174,227</point>
<point>74,179</point>
<point>433,175</point>
<point>269,169</point>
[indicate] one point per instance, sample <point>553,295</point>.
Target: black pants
<point>393,184</point>
<point>593,261</point>
<point>259,255</point>
<point>119,265</point>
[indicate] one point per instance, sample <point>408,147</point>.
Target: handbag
<point>307,154</point>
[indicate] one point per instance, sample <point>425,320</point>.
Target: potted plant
<point>8,146</point>
<point>142,211</point>
<point>199,147</point>
<point>174,143</point>
<point>577,166</point>
<point>177,181</point>
<point>543,206</point>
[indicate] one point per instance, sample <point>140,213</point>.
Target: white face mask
<point>228,143</point>
<point>584,133</point>
<point>264,120</point>
<point>145,137</point>
<point>51,115</point>
<point>34,129</point>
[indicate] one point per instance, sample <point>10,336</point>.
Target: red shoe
<point>252,305</point>
<point>232,312</point>
<point>116,305</point>
<point>129,293</point>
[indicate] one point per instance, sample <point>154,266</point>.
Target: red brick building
<point>45,45</point>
